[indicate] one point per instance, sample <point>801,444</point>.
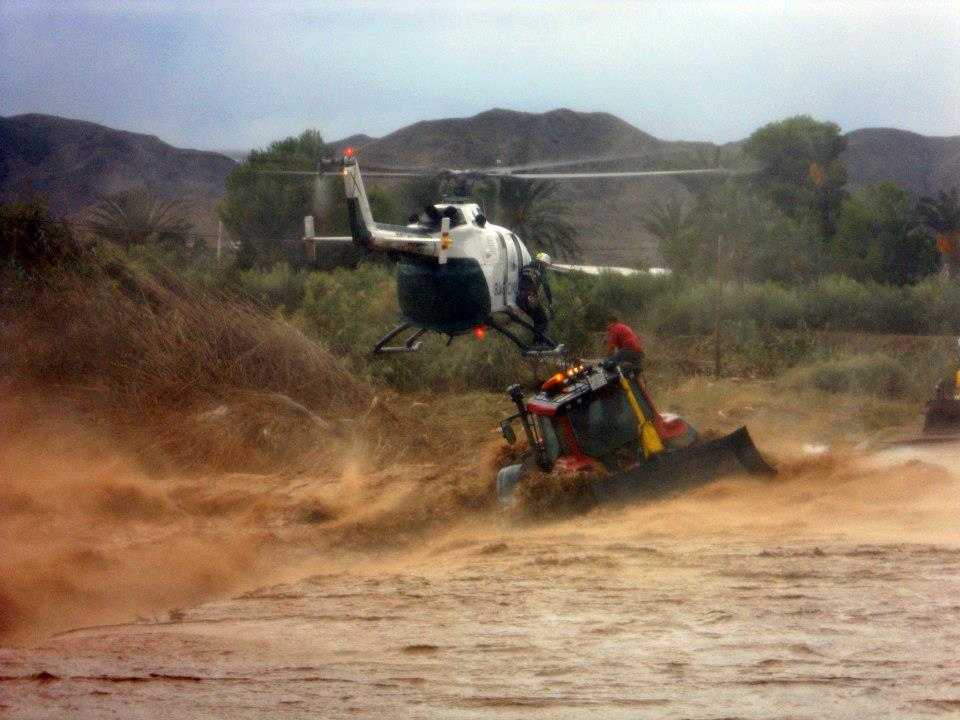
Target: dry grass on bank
<point>194,376</point>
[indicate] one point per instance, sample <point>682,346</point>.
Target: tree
<point>262,207</point>
<point>531,209</point>
<point>306,151</point>
<point>758,241</point>
<point>940,215</point>
<point>31,238</point>
<point>801,168</point>
<point>137,217</point>
<point>877,238</point>
<point>680,244</point>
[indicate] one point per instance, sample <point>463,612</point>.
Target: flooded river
<point>833,591</point>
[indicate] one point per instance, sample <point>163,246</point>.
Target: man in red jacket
<point>623,344</point>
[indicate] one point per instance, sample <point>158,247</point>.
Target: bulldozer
<point>599,419</point>
<point>941,420</point>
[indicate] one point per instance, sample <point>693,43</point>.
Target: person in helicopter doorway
<point>533,278</point>
<point>624,346</point>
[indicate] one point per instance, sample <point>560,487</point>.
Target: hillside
<point>73,163</point>
<point>509,137</point>
<point>920,164</point>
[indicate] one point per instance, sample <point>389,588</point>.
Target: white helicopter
<point>458,273</point>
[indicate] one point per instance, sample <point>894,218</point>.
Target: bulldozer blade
<point>930,439</point>
<point>942,414</point>
<point>679,470</point>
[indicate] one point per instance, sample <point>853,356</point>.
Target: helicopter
<point>458,273</point>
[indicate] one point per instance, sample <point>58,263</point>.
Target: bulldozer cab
<point>604,424</point>
<point>596,421</point>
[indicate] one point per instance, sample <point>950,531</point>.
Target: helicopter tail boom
<point>359,213</point>
<point>378,236</point>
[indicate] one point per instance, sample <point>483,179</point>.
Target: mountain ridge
<point>75,162</point>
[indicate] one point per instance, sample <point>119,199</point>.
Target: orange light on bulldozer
<point>553,382</point>
<point>561,378</point>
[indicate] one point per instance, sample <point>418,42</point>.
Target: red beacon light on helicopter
<point>480,332</point>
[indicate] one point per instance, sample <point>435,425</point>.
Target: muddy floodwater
<point>833,591</point>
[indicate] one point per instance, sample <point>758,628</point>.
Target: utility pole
<point>219,239</point>
<point>718,311</point>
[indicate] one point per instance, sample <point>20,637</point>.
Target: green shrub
<point>833,302</point>
<point>767,304</point>
<point>767,327</point>
<point>865,374</point>
<point>629,296</point>
<point>938,305</point>
<point>279,287</point>
<point>687,310</point>
<point>764,350</point>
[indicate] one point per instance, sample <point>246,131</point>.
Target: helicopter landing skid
<point>547,352</point>
<point>411,344</point>
<point>547,349</point>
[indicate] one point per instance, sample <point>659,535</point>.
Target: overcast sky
<point>233,75</point>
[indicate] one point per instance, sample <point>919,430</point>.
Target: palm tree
<point>672,224</point>
<point>136,217</point>
<point>531,209</point>
<point>941,216</point>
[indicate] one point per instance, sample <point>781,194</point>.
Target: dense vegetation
<point>162,330</point>
<point>800,256</point>
<point>768,327</point>
<point>793,219</point>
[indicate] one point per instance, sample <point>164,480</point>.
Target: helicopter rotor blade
<point>366,173</point>
<point>301,173</point>
<point>623,174</point>
<point>411,169</point>
<point>529,171</point>
<point>547,164</point>
<point>392,173</point>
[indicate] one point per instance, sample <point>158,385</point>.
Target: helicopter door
<point>515,255</point>
<point>502,270</point>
